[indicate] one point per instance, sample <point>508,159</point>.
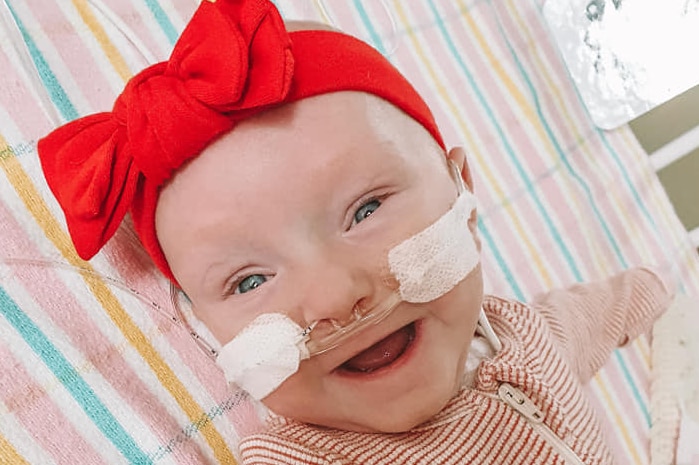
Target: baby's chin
<point>395,421</point>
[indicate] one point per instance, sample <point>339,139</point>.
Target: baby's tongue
<point>383,353</point>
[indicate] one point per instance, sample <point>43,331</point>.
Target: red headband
<point>233,60</point>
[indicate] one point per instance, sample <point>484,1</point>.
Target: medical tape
<point>264,354</point>
<point>433,261</point>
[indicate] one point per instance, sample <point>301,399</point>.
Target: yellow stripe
<point>53,231</point>
<point>644,176</point>
<point>528,110</point>
<point>612,411</point>
<point>323,12</point>
<point>632,224</point>
<point>485,167</point>
<point>8,454</point>
<point>642,346</point>
<point>61,240</point>
<point>107,46</point>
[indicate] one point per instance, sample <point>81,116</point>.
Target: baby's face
<point>294,212</point>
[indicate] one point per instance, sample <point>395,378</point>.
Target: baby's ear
<point>299,25</point>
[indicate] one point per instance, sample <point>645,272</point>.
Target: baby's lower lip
<point>382,355</point>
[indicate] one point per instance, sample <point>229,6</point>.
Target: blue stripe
<point>375,38</point>
<point>493,247</point>
<point>632,188</point>
<point>163,21</point>
<point>615,156</point>
<point>561,153</point>
<point>510,151</point>
<point>624,368</point>
<point>71,380</point>
<point>57,94</point>
<point>632,384</point>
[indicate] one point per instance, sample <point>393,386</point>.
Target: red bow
<point>233,59</point>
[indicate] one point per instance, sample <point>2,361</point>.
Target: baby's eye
<point>249,283</point>
<point>365,210</point>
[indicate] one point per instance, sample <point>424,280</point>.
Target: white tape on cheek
<point>263,354</point>
<point>430,263</point>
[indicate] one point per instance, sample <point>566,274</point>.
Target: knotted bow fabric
<point>233,60</point>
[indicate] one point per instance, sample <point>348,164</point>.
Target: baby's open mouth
<point>383,353</point>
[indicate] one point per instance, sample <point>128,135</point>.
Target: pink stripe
<point>535,40</point>
<point>411,65</point>
<point>146,28</point>
<point>62,308</point>
<point>613,198</point>
<point>77,58</point>
<point>185,8</point>
<point>636,424</point>
<point>570,222</point>
<point>510,246</point>
<point>40,416</point>
<point>633,423</point>
<point>122,259</point>
<point>521,142</point>
<point>17,97</point>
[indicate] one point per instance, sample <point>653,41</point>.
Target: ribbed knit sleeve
<point>590,320</point>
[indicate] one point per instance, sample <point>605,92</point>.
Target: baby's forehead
<point>334,118</point>
<point>312,137</point>
<point>340,129</point>
<point>320,134</point>
<point>345,104</point>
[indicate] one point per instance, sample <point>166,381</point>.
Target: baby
<point>297,189</point>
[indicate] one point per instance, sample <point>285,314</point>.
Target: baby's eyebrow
<point>216,273</point>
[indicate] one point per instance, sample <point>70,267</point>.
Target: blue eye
<point>365,210</point>
<point>249,283</point>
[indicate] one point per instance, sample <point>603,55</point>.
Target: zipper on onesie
<point>519,401</point>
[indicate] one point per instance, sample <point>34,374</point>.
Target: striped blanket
<point>94,365</point>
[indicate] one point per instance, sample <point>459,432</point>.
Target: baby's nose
<point>335,293</point>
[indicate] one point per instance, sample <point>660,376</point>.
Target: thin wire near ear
<point>486,330</point>
<point>88,273</point>
<point>175,296</point>
<point>484,327</point>
<point>456,174</point>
